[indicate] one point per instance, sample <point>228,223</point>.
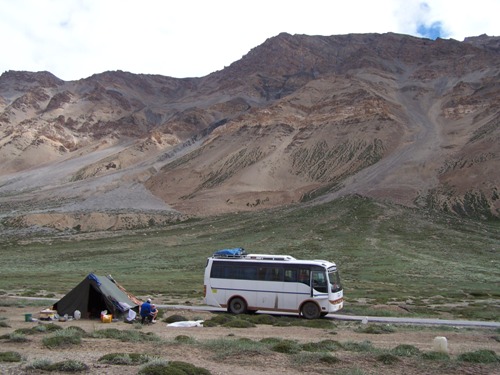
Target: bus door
<point>319,284</point>
<point>296,287</point>
<point>269,281</point>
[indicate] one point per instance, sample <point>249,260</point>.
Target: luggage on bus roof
<point>235,252</point>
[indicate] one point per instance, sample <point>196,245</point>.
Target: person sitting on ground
<point>154,313</point>
<point>146,311</point>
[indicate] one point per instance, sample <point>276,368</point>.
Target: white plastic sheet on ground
<point>187,323</point>
<point>131,314</point>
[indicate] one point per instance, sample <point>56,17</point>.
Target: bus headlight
<point>337,301</point>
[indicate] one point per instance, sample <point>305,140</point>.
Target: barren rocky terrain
<point>299,118</point>
<point>349,362</point>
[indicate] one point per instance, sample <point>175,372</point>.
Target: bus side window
<point>249,273</point>
<point>277,274</point>
<point>270,274</point>
<point>217,271</point>
<point>304,276</point>
<point>290,275</point>
<point>261,273</point>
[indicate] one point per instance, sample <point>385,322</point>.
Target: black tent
<point>95,294</point>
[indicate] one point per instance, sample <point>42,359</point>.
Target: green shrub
<point>288,321</point>
<point>321,346</point>
<point>209,323</point>
<point>435,356</point>
<point>245,339</point>
<point>305,359</point>
<point>51,327</point>
<point>39,364</point>
<point>40,328</point>
<point>316,323</point>
<point>118,359</point>
<point>188,368</point>
<point>25,331</point>
<point>286,346</point>
<point>79,330</point>
<point>375,329</point>
<point>364,346</point>
<point>262,319</point>
<point>125,336</point>
<point>107,333</point>
<point>174,318</point>
<point>480,356</point>
<point>328,358</point>
<point>124,359</point>
<point>29,293</point>
<point>156,367</point>
<point>69,365</point>
<point>62,338</point>
<point>160,367</point>
<point>405,350</point>
<point>387,358</point>
<point>270,340</point>
<point>218,319</point>
<point>17,337</point>
<point>184,339</point>
<point>239,323</point>
<point>10,357</point>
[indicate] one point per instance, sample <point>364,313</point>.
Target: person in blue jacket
<point>146,312</point>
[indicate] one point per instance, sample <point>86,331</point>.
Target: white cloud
<point>76,38</point>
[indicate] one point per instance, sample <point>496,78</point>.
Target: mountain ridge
<point>298,118</point>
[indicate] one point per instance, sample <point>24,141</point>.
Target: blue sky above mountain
<point>433,31</point>
<point>74,39</point>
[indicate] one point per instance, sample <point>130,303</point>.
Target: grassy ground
<point>428,263</point>
<point>251,344</point>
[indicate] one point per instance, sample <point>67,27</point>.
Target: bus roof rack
<point>269,257</point>
<point>237,252</point>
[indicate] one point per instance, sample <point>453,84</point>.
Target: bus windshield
<point>334,277</point>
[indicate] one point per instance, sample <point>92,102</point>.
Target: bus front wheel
<point>237,306</point>
<point>310,310</point>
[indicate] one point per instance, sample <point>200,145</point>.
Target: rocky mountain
<point>298,119</point>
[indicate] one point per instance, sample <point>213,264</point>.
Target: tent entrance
<point>96,303</point>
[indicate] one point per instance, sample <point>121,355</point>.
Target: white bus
<point>244,283</point>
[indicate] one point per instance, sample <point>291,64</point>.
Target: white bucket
<point>440,344</point>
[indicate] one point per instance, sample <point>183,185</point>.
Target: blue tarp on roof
<point>235,252</point>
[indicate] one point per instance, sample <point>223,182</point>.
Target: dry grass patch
<point>10,357</point>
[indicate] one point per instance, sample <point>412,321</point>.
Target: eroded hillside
<point>299,118</point>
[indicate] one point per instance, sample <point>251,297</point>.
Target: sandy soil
<point>459,341</point>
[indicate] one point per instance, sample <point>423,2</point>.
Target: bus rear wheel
<point>310,310</point>
<point>237,306</point>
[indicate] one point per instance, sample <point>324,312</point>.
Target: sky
<point>74,39</point>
